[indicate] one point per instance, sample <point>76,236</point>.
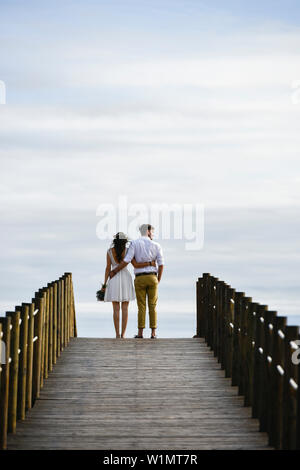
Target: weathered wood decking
<point>138,394</point>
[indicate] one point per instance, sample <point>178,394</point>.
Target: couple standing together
<point>147,259</point>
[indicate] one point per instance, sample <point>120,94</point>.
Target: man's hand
<point>160,271</point>
<point>112,273</point>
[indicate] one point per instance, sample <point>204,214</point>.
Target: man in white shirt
<point>144,249</point>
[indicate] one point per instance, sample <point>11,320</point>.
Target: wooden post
<point>245,301</point>
<point>54,322</point>
<point>13,370</point>
<point>236,338</point>
<point>46,323</point>
<point>222,325</point>
<point>218,318</point>
<point>37,351</point>
<point>276,428</point>
<point>266,371</point>
<point>289,391</point>
<point>229,329</point>
<point>269,345</point>
<point>206,277</point>
<point>65,310</point>
<point>2,353</point>
<point>58,318</point>
<point>42,293</point>
<point>226,330</point>
<point>62,314</point>
<point>258,361</point>
<point>69,307</point>
<point>50,328</point>
<point>24,312</point>
<point>211,310</point>
<point>199,304</point>
<point>29,355</point>
<point>298,397</point>
<point>251,336</point>
<point>73,310</point>
<point>4,390</point>
<point>214,306</point>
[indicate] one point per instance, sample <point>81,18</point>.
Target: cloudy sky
<point>186,102</point>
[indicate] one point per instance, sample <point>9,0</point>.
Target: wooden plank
<point>138,394</point>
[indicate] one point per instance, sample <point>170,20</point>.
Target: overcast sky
<point>163,102</point>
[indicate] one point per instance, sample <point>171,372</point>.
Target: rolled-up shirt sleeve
<point>130,253</point>
<point>160,256</point>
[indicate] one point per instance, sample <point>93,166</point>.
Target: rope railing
<point>32,338</point>
<point>258,350</point>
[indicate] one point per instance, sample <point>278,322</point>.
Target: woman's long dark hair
<point>119,243</point>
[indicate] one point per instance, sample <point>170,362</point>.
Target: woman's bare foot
<point>118,336</point>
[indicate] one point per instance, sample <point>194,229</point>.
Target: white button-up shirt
<point>144,249</point>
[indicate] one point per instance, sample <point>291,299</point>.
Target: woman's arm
<point>142,265</point>
<point>107,269</point>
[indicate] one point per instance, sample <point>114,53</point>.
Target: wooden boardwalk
<point>138,394</point>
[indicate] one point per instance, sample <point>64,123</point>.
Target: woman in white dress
<point>119,289</point>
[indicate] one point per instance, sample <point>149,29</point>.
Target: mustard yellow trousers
<point>146,286</point>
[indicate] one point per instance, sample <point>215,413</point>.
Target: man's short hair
<point>144,228</point>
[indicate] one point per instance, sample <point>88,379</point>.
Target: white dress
<point>120,287</point>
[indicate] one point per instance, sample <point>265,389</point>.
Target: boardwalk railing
<point>257,349</point>
<point>32,338</point>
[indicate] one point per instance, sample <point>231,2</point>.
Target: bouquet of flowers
<point>101,292</point>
